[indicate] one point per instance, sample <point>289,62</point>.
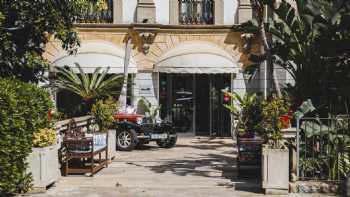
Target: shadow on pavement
<point>211,166</point>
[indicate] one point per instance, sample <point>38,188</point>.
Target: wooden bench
<point>83,149</point>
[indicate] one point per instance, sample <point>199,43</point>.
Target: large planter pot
<point>275,170</point>
<point>43,164</point>
<point>112,147</point>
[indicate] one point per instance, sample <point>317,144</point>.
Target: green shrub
<point>23,110</point>
<point>103,111</point>
<point>271,124</point>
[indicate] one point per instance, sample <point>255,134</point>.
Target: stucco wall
<point>129,8</point>
<point>146,85</point>
<point>162,11</point>
<point>230,11</point>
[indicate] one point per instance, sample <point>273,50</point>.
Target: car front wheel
<point>126,140</point>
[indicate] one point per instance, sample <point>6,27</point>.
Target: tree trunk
<point>123,93</point>
<point>259,6</point>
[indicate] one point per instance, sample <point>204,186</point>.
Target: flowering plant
<point>44,137</point>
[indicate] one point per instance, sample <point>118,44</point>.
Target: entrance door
<point>211,116</point>
<point>220,117</point>
<point>176,98</point>
<point>202,101</point>
<point>194,102</point>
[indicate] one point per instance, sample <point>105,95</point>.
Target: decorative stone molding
<point>117,11</point>
<point>245,11</point>
<point>143,37</point>
<point>145,11</point>
<point>146,40</point>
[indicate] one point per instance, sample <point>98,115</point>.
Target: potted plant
<point>275,153</point>
<point>247,110</point>
<point>151,111</point>
<point>43,161</point>
<point>103,111</point>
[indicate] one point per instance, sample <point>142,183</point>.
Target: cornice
<point>93,27</point>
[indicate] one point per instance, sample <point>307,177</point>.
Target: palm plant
<point>88,86</point>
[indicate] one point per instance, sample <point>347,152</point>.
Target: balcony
<point>97,11</point>
<point>196,12</point>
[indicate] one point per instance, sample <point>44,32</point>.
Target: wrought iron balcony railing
<point>194,12</point>
<point>98,11</point>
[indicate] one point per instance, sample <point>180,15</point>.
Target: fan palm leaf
<point>88,86</point>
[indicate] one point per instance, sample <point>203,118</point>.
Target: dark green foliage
<point>23,110</point>
<point>313,47</point>
<point>25,28</point>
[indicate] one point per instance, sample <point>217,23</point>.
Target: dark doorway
<point>194,102</point>
<point>202,105</point>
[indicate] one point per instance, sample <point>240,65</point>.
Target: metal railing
<point>323,148</point>
<point>94,14</point>
<point>194,12</point>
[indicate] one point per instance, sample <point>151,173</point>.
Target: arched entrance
<point>192,77</point>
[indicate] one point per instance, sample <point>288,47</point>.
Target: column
<point>117,11</point>
<point>146,11</point>
<point>219,12</point>
<point>245,11</point>
<point>174,12</point>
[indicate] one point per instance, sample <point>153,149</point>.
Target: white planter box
<point>43,164</point>
<point>275,170</point>
<point>112,149</point>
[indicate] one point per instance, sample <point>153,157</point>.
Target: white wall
<point>162,11</point>
<point>230,11</point>
<point>146,85</point>
<point>129,8</point>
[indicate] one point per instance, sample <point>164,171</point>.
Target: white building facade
<point>184,54</point>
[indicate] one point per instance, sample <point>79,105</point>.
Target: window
<point>196,11</point>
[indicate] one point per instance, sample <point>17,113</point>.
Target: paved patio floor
<point>196,167</point>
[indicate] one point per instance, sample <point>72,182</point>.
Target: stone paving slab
<point>196,167</point>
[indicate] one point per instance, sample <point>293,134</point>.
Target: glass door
<point>220,116</point>
<point>176,98</point>
<point>194,102</point>
<point>202,102</point>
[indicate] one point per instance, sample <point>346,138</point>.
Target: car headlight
<point>139,120</point>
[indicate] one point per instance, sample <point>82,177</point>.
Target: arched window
<point>196,11</point>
